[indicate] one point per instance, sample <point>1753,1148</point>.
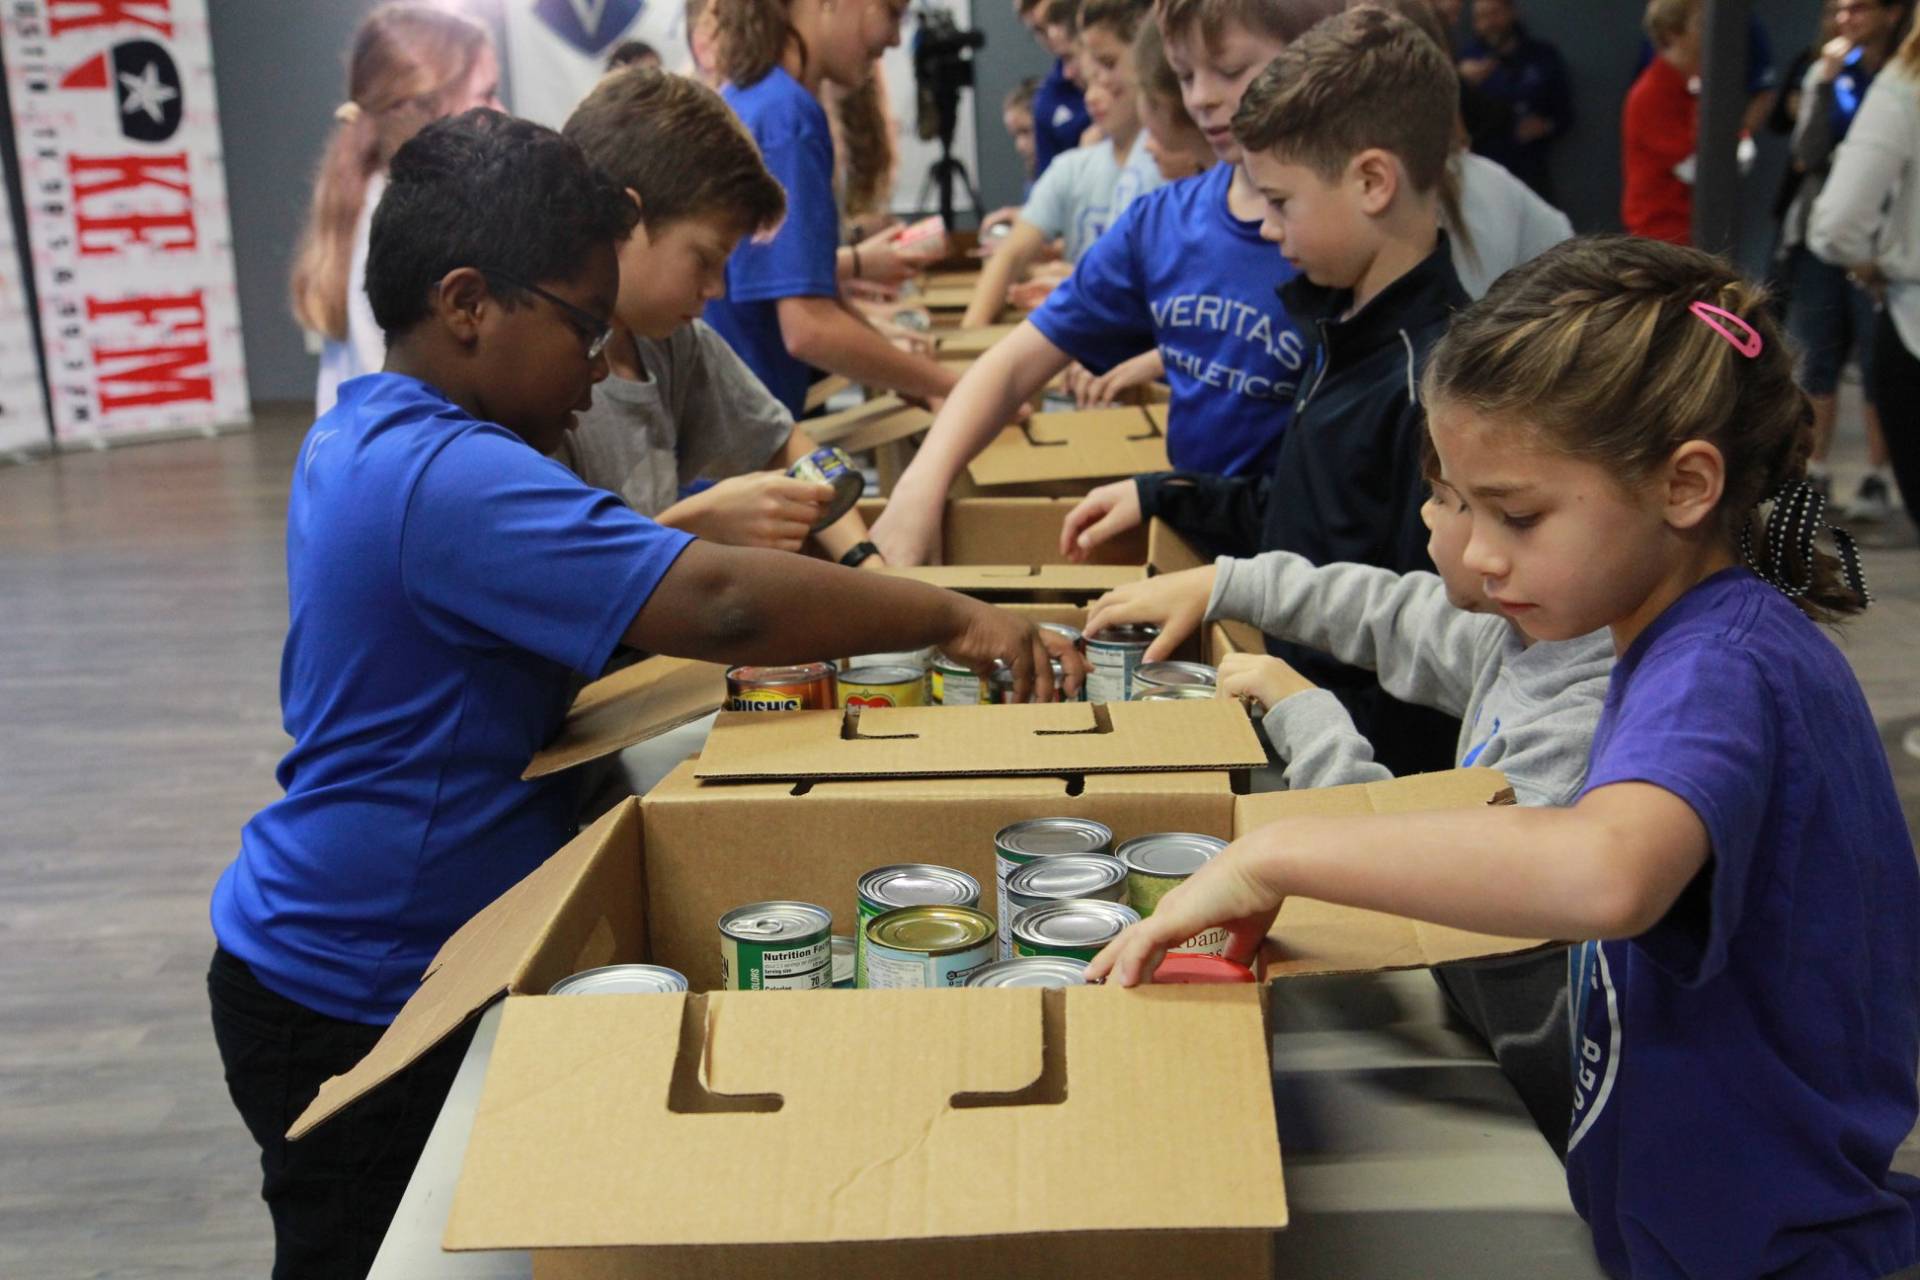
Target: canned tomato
<point>776,946</point>
<point>842,961</point>
<point>907,884</point>
<point>621,979</point>
<point>953,685</point>
<point>1157,864</point>
<point>883,687</point>
<point>1079,928</point>
<point>1173,675</point>
<point>1077,875</point>
<point>927,947</point>
<point>1000,682</point>
<point>1112,658</point>
<point>1032,971</point>
<point>1173,693</point>
<point>805,686</point>
<point>1036,838</point>
<point>829,465</point>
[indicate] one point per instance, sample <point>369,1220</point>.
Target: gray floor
<point>143,611</point>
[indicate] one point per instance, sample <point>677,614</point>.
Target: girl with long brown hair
<point>410,64</point>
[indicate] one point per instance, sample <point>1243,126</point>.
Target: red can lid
<point>1193,968</point>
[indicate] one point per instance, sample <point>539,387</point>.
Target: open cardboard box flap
<point>630,706</point>
<point>869,424</point>
<point>1311,937</point>
<point>1076,579</point>
<point>971,342</point>
<point>749,1118</point>
<point>1087,444</point>
<point>1049,738</point>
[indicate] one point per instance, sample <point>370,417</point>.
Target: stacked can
<point>927,947</point>
<point>1073,875</point>
<point>1077,929</point>
<point>805,686</point>
<point>1032,971</point>
<point>1157,864</point>
<point>1032,840</point>
<point>769,946</point>
<point>906,884</point>
<point>1112,658</point>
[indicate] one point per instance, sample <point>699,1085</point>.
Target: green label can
<point>935,947</point>
<point>1077,929</point>
<point>776,946</point>
<point>907,884</point>
<point>952,685</point>
<point>1023,842</point>
<point>1157,864</point>
<point>1112,658</point>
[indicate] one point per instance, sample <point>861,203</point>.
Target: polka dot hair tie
<point>1799,514</point>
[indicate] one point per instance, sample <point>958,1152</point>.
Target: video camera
<point>942,67</point>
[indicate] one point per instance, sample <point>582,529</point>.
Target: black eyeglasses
<point>596,331</point>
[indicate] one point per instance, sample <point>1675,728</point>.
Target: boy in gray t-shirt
<point>1527,708</point>
<point>680,427</point>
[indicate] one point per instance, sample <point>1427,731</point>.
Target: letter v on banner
<point>126,198</point>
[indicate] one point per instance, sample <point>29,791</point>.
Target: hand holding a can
<point>1225,893</point>
<point>991,634</point>
<point>1256,677</point>
<point>760,509</point>
<point>1174,602</point>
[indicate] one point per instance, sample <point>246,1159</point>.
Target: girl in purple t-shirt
<point>1620,419</point>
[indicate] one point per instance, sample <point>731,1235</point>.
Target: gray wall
<point>1009,57</point>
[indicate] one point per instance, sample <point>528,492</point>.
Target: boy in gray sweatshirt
<point>1527,708</point>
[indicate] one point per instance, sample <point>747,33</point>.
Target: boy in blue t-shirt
<point>1183,269</point>
<point>1059,103</point>
<point>448,585</point>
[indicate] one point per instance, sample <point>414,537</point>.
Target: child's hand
<point>1174,602</point>
<point>1098,393</point>
<point>1107,512</point>
<point>1226,891</point>
<point>985,634</point>
<point>760,509</point>
<point>1266,680</point>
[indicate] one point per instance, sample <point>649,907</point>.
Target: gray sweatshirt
<point>1527,710</point>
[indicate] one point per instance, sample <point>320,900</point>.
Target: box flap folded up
<point>630,706</point>
<point>1087,444</point>
<point>1037,738</point>
<point>869,424</point>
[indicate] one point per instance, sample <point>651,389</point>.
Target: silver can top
<point>1075,875</point>
<point>621,979</point>
<point>1175,675</point>
<point>1170,693</point>
<point>779,921</point>
<point>1050,837</point>
<point>919,884</point>
<point>1128,635</point>
<point>1173,855</point>
<point>1082,922</point>
<point>1068,630</point>
<point>1031,971</point>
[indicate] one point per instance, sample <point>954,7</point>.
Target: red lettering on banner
<point>174,344</point>
<point>84,15</point>
<point>103,225</point>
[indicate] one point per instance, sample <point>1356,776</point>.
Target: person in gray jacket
<point>1527,708</point>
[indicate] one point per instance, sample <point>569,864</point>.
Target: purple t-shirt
<point>1744,1070</point>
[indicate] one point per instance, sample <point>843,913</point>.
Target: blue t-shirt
<point>1849,90</point>
<point>1744,1070</point>
<point>1179,271</point>
<point>445,583</point>
<point>1059,117</point>
<point>798,260</point>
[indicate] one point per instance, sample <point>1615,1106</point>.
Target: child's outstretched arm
<point>1307,726</point>
<point>1009,263</point>
<point>1622,856</point>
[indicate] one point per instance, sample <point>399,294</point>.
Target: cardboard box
<point>870,424</point>
<point>1083,446</point>
<point>856,1134</point>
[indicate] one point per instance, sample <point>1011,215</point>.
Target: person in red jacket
<point>1660,125</point>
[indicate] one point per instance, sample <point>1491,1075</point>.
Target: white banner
<point>557,50</point>
<point>126,195</point>
<point>23,410</point>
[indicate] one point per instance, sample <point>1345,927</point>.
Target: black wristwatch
<point>857,554</point>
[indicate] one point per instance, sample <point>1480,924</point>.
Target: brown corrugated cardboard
<point>631,706</point>
<point>1024,530</point>
<point>1085,445</point>
<point>825,389</point>
<point>869,424</point>
<point>971,342</point>
<point>1004,581</point>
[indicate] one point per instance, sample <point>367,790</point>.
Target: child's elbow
<point>800,334</point>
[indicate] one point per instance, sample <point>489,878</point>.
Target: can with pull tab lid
<point>1036,838</point>
<point>767,946</point>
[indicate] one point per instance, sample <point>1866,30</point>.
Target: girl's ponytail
<point>320,266</point>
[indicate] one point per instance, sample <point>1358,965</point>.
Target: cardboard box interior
<point>1075,445</point>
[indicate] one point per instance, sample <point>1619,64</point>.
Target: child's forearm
<point>987,397</point>
<point>1008,263</point>
<point>1313,733</point>
<point>1609,867</point>
<point>823,333</point>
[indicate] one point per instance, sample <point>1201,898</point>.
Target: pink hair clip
<point>1711,316</point>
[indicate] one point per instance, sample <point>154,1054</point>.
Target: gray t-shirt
<point>699,415</point>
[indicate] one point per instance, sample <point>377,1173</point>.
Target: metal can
<point>953,685</point>
<point>1112,658</point>
<point>927,947</point>
<point>1174,693</point>
<point>1036,838</point>
<point>883,687</point>
<point>1032,971</point>
<point>1079,928</point>
<point>805,686</point>
<point>842,962</point>
<point>1077,875</point>
<point>907,884</point>
<point>830,465</point>
<point>1157,864</point>
<point>1000,682</point>
<point>918,659</point>
<point>1173,675</point>
<point>776,946</point>
<point>621,979</point>
<point>1072,633</point>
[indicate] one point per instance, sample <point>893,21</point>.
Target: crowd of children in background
<point>1495,495</point>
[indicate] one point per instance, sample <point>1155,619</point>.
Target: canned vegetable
<point>776,946</point>
<point>1157,864</point>
<point>1079,928</point>
<point>1023,842</point>
<point>927,947</point>
<point>906,884</point>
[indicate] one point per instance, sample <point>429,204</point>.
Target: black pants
<point>1896,390</point>
<point>333,1193</point>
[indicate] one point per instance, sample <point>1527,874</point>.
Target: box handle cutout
<point>1153,428</point>
<point>1049,1089</point>
<point>1026,429</point>
<point>850,730</point>
<point>687,1095</point>
<point>1102,723</point>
